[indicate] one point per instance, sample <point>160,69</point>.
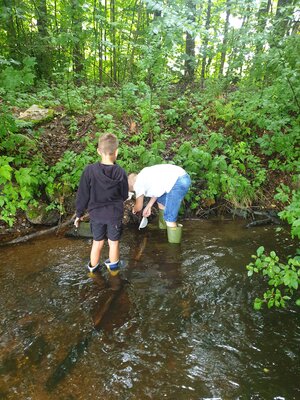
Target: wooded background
<point>113,41</point>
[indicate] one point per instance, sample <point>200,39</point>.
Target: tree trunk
<point>78,45</point>
<point>237,58</point>
<point>113,65</point>
<point>225,38</point>
<point>43,51</point>
<point>11,34</point>
<point>205,43</point>
<point>282,17</point>
<point>262,18</point>
<point>189,67</point>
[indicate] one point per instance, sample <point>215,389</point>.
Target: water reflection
<point>176,323</point>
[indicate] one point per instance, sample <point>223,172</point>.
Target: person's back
<point>102,190</point>
<point>166,184</point>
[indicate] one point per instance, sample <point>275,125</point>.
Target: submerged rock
<point>84,230</point>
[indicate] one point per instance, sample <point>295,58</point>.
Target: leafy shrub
<point>12,78</point>
<point>105,122</point>
<point>19,186</point>
<point>225,175</point>
<point>284,279</point>
<point>291,212</point>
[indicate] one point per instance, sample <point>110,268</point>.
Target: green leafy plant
<point>291,212</point>
<point>19,186</point>
<point>283,279</point>
<point>13,78</point>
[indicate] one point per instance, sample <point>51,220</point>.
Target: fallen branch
<point>39,233</point>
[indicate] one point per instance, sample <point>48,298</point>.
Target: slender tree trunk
<point>282,17</point>
<point>43,51</point>
<point>113,65</point>
<point>236,58</point>
<point>205,43</point>
<point>262,18</point>
<point>78,45</point>
<point>225,38</point>
<point>96,40</point>
<point>100,48</point>
<point>11,34</point>
<point>189,69</point>
<point>131,41</point>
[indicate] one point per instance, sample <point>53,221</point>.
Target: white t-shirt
<point>156,180</point>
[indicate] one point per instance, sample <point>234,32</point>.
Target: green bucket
<point>174,233</point>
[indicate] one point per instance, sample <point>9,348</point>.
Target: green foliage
<point>13,79</point>
<point>105,122</point>
<point>19,186</point>
<point>22,173</point>
<point>149,117</point>
<point>291,212</point>
<point>63,177</point>
<point>133,159</point>
<point>177,111</point>
<point>235,175</point>
<point>283,279</point>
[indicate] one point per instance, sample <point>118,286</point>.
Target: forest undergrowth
<point>242,155</point>
<point>236,160</point>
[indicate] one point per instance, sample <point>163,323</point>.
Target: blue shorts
<point>173,199</point>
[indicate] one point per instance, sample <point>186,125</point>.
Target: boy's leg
<point>99,232</point>
<point>96,252</point>
<point>114,232</point>
<point>174,199</point>
<point>114,250</point>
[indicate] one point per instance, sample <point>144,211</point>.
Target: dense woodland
<point>212,85</point>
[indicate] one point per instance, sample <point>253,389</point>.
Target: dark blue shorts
<point>112,231</point>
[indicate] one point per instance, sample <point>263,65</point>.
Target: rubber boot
<point>161,222</point>
<point>174,233</point>
<point>113,268</point>
<point>92,269</point>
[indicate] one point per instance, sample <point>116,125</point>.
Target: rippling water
<point>178,323</point>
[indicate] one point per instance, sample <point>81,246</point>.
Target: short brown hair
<point>108,143</point>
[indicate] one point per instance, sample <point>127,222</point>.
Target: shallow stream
<point>178,323</point>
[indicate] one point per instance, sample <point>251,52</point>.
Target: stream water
<point>178,323</point>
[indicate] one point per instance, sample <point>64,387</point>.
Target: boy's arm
<point>124,187</point>
<point>139,202</point>
<point>147,209</point>
<point>83,194</point>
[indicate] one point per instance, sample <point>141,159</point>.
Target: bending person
<point>167,184</point>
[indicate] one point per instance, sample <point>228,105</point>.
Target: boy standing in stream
<point>103,188</point>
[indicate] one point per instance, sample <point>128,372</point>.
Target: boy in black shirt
<point>102,190</point>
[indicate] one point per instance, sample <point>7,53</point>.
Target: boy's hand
<point>147,212</point>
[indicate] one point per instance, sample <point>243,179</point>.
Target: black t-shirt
<point>102,190</point>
